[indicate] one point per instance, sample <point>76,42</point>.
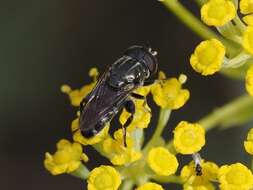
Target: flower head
<point>150,186</point>
<point>162,162</point>
<point>246,6</point>
<point>188,137</point>
<point>235,176</point>
<point>192,181</point>
<point>247,41</point>
<point>169,93</point>
<point>208,57</point>
<point>66,159</point>
<point>218,12</point>
<point>117,153</point>
<point>104,178</point>
<point>78,137</point>
<point>248,144</point>
<point>77,95</point>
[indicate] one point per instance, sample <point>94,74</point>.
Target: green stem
<point>224,113</point>
<point>82,172</point>
<point>162,122</point>
<point>127,185</point>
<point>195,24</point>
<point>165,179</point>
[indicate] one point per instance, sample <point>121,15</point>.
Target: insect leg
<point>140,97</point>
<point>130,107</point>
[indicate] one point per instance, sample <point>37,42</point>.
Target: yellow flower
<point>150,186</point>
<point>218,12</point>
<point>193,182</point>
<point>247,39</point>
<point>249,80</point>
<point>66,159</point>
<point>248,19</point>
<point>117,153</point>
<point>77,95</point>
<point>142,116</point>
<point>248,145</point>
<point>162,162</point>
<point>208,57</point>
<point>188,137</point>
<point>235,177</point>
<point>78,137</point>
<point>104,178</point>
<point>246,6</point>
<point>169,93</point>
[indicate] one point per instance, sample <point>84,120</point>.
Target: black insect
<point>115,87</point>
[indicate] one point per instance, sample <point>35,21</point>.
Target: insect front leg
<point>141,97</point>
<point>130,107</point>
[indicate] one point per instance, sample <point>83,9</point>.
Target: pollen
<point>162,162</point>
<point>208,57</point>
<point>104,177</point>
<point>150,186</point>
<point>189,138</point>
<point>235,176</point>
<point>218,12</point>
<point>247,41</point>
<point>246,6</point>
<point>66,159</point>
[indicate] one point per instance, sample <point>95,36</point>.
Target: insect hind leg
<point>130,107</point>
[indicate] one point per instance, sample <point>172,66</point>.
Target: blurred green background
<point>44,44</point>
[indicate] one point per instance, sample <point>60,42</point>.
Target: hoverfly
<point>114,90</point>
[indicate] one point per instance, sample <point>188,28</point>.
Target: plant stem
<point>82,172</point>
<point>167,179</point>
<point>195,24</point>
<point>227,111</point>
<point>162,122</point>
<point>127,185</point>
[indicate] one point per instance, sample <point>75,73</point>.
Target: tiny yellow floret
<point>117,152</point>
<point>208,57</point>
<point>235,177</point>
<point>189,138</point>
<point>104,178</point>
<point>162,162</point>
<point>248,19</point>
<point>247,39</point>
<point>78,137</point>
<point>246,6</point>
<point>217,12</point>
<point>150,186</point>
<point>66,159</point>
<point>77,95</point>
<point>248,144</point>
<point>169,93</point>
<point>249,80</point>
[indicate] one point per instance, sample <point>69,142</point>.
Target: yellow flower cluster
<point>208,57</point>
<point>103,178</point>
<point>192,181</point>
<point>118,154</point>
<point>235,176</point>
<point>77,95</point>
<point>169,93</point>
<point>248,144</point>
<point>189,138</point>
<point>218,12</point>
<point>162,162</point>
<point>66,159</point>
